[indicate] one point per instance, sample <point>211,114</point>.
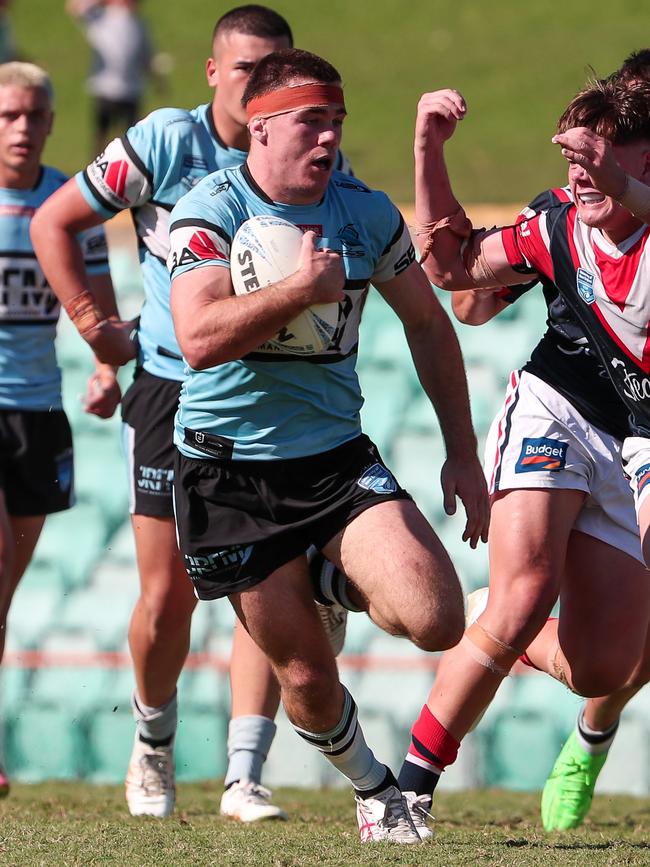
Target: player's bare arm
<point>476,306</point>
<point>439,364</point>
<point>594,154</point>
<point>454,256</point>
<point>90,305</point>
<point>213,325</point>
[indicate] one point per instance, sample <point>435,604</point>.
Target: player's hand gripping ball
<point>265,250</point>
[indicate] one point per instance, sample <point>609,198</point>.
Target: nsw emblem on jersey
<point>585,284</point>
<point>378,479</point>
<point>541,453</point>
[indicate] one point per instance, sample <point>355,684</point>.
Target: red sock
<point>431,742</point>
<point>431,749</point>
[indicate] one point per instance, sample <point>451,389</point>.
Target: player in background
<point>36,467</point>
<point>569,790</point>
<point>148,170</point>
<point>560,525</point>
<point>122,60</point>
<point>254,486</point>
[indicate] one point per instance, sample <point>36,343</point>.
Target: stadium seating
<point>81,586</point>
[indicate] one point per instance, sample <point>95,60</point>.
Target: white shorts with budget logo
<point>540,440</point>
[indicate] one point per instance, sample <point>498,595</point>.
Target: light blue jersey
<point>30,378</point>
<point>158,160</point>
<point>270,405</point>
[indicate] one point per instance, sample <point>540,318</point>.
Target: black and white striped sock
<point>328,582</point>
<point>346,748</point>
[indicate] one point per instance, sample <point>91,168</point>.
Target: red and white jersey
<point>604,285</point>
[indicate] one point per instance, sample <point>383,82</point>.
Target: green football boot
<point>570,787</point>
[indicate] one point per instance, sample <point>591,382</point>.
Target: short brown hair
<point>280,68</point>
<point>635,67</point>
<point>617,111</point>
<point>253,20</point>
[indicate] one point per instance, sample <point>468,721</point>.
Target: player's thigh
<point>529,534</point>
<point>26,531</point>
<point>163,579</point>
<point>392,555</point>
<point>280,615</point>
<point>148,410</point>
<point>605,606</point>
<point>38,478</point>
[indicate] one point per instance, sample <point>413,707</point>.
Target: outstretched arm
<point>454,257</point>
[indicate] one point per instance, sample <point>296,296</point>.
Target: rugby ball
<point>265,250</point>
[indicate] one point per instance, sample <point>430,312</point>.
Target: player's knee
<point>308,682</point>
<point>596,677</point>
<point>438,628</point>
<point>165,612</point>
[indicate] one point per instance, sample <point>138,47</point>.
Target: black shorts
<point>36,469</point>
<point>110,113</point>
<point>148,410</point>
<point>238,521</point>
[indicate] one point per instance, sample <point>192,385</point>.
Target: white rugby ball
<point>265,249</point>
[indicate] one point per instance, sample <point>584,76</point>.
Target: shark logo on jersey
<point>541,453</point>
<point>221,188</point>
<point>349,238</point>
<point>585,284</point>
<point>378,479</point>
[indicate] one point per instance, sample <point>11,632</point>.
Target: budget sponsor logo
<point>541,453</point>
<point>641,478</point>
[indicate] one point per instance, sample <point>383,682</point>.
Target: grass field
<point>80,825</point>
<point>517,64</point>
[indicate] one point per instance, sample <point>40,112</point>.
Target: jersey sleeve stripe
<point>204,224</point>
<point>135,159</point>
<point>104,203</point>
<point>396,236</point>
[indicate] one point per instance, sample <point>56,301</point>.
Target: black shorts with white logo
<point>148,410</point>
<point>239,521</point>
<point>36,468</point>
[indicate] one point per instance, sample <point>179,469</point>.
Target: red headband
<point>288,99</point>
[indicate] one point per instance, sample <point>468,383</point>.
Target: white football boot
<point>419,807</point>
<point>249,802</point>
<point>385,817</point>
<point>150,780</point>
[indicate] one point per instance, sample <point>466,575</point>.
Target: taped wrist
<point>635,196</point>
<point>458,223</point>
<point>84,312</point>
<point>488,650</point>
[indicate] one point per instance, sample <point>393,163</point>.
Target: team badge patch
<point>642,478</point>
<point>378,479</point>
<point>64,470</point>
<point>541,454</point>
<point>585,283</point>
